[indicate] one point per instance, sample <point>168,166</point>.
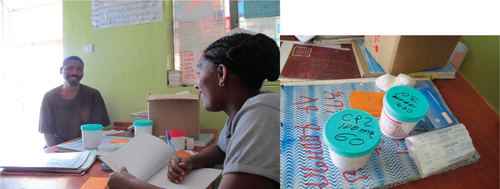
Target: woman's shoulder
<point>265,98</point>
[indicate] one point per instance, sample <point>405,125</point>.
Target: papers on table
<point>105,149</point>
<point>71,163</point>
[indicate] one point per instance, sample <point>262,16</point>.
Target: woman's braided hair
<point>254,58</point>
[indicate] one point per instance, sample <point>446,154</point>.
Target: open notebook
<point>147,156</point>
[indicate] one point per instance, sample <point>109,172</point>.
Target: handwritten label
<point>406,102</point>
<point>334,102</point>
<point>113,13</point>
<point>312,144</point>
<point>352,129</point>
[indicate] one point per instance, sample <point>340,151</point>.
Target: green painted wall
<point>128,62</point>
<point>481,66</point>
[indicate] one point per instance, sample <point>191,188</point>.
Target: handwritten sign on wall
<point>115,13</point>
<point>261,8</point>
<point>196,25</point>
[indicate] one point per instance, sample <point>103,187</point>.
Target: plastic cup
<point>403,108</point>
<point>91,135</point>
<point>351,136</point>
<point>177,137</point>
<point>143,126</point>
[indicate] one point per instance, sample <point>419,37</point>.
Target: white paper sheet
<point>110,132</point>
<point>438,149</point>
<point>107,13</point>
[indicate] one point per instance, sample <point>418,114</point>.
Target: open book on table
<point>146,157</point>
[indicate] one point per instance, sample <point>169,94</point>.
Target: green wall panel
<point>481,66</point>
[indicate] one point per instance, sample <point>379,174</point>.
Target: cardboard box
<point>171,111</point>
<point>406,54</point>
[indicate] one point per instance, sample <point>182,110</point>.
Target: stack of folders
<point>70,163</point>
<point>369,68</point>
<point>174,78</point>
<point>335,39</point>
<point>140,115</point>
<point>204,139</point>
<point>304,38</point>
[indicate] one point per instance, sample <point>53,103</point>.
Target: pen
<point>173,148</point>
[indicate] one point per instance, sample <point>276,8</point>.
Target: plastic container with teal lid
<point>91,135</point>
<point>143,125</point>
<point>351,136</point>
<point>403,108</point>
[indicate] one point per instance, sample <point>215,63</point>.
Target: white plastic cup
<point>177,138</point>
<point>403,108</point>
<point>91,135</point>
<point>145,126</point>
<point>348,163</point>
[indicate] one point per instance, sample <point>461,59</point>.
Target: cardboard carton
<point>171,111</point>
<point>406,54</point>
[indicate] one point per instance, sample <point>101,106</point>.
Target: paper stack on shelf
<point>369,68</point>
<point>335,39</point>
<point>141,115</point>
<point>304,38</point>
<point>204,139</point>
<point>174,78</point>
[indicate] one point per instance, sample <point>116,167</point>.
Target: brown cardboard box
<point>406,54</point>
<point>171,111</point>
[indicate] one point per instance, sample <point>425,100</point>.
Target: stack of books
<point>204,139</point>
<point>304,38</point>
<point>335,39</point>
<point>174,78</point>
<point>140,115</point>
<point>369,68</point>
<point>70,163</point>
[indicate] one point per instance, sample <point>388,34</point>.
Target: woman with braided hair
<point>232,70</point>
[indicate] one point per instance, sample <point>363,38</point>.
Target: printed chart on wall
<point>305,158</point>
<point>196,25</point>
<point>107,13</point>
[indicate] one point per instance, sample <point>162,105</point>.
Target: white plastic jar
<point>177,137</point>
<point>403,108</point>
<point>143,126</point>
<point>91,135</point>
<point>351,136</point>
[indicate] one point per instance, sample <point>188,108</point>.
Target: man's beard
<point>74,82</point>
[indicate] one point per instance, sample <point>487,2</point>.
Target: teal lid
<point>91,127</point>
<point>405,104</point>
<point>144,122</point>
<point>352,133</point>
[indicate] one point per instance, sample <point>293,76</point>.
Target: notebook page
<point>199,178</point>
<point>144,155</point>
